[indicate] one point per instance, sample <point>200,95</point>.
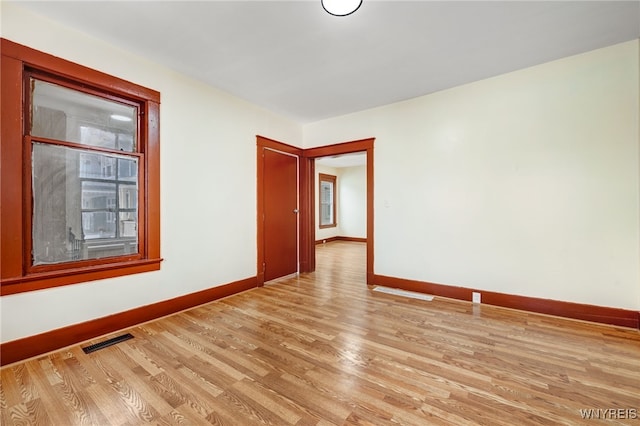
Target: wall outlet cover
<point>476,297</point>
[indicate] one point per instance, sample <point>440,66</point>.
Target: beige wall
<point>526,183</point>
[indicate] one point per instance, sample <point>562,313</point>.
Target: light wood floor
<point>325,349</point>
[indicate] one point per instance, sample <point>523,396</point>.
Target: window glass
<point>97,166</point>
<point>327,190</point>
<point>326,194</point>
<point>79,203</point>
<point>98,205</point>
<point>127,170</point>
<point>128,197</point>
<point>68,115</point>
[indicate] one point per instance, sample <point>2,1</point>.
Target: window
<point>84,173</point>
<point>81,150</point>
<point>327,196</point>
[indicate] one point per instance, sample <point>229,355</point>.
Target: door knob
<point>295,211</point>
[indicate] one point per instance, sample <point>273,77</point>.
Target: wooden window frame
<point>322,177</point>
<point>17,274</point>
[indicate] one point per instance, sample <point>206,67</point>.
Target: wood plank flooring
<point>324,349</point>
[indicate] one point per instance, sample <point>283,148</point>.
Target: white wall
<point>526,183</point>
<point>208,228</point>
<point>352,209</point>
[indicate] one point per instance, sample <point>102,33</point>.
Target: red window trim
<point>15,274</point>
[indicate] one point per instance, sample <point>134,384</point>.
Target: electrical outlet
<point>476,297</point>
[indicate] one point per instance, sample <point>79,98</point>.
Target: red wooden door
<point>280,182</point>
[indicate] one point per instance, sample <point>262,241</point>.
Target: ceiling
<point>293,58</point>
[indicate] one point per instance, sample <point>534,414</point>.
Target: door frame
<point>308,185</point>
<point>306,197</point>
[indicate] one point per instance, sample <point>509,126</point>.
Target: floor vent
<point>112,341</point>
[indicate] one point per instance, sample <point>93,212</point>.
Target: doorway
<point>310,155</point>
<point>306,204</point>
<point>341,197</point>
<point>341,201</point>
